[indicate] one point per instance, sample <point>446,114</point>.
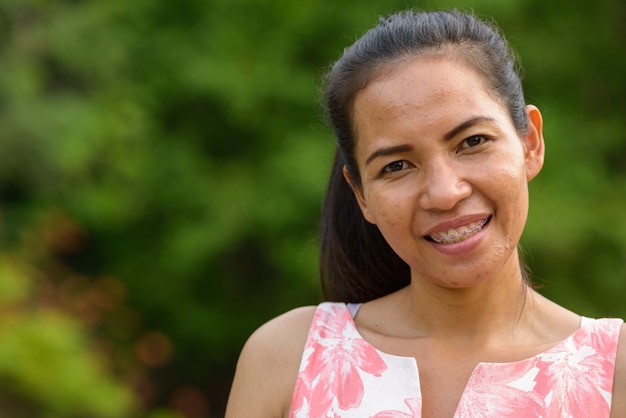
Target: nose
<point>443,186</point>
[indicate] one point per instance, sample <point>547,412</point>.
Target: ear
<point>360,198</point>
<point>533,143</point>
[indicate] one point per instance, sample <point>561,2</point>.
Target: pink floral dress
<point>342,375</point>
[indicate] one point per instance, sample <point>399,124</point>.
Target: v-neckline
<point>353,310</point>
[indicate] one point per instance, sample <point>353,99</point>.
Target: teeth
<point>460,234</point>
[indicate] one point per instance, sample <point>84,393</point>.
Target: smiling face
<point>443,171</point>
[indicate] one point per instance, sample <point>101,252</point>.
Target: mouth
<point>453,236</point>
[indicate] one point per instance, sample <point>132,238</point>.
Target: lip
<point>459,248</point>
<point>456,223</point>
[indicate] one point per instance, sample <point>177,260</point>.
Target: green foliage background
<point>162,166</point>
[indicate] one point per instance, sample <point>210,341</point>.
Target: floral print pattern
<point>343,376</point>
<point>333,379</point>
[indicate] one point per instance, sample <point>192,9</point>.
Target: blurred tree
<point>162,166</point>
<point>47,366</point>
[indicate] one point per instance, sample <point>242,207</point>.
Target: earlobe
<point>358,193</point>
<point>533,142</point>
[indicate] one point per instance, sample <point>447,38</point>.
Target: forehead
<point>424,81</point>
<point>424,91</point>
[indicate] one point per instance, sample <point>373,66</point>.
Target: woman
<point>432,315</point>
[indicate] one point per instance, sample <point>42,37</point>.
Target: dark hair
<point>356,263</point>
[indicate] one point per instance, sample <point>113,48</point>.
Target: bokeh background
<point>162,166</point>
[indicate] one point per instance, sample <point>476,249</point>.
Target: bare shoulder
<point>268,366</point>
<point>618,409</point>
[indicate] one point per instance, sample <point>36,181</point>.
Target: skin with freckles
<point>436,152</point>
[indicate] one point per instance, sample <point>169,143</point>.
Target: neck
<point>474,315</point>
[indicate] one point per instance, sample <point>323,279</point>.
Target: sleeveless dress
<point>342,376</point>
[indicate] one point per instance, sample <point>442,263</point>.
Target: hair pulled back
<point>356,263</point>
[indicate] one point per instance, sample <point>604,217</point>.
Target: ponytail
<point>356,263</point>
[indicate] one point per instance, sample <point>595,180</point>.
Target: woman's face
<point>444,172</point>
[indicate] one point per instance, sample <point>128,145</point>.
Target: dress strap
<point>585,321</point>
<point>353,308</point>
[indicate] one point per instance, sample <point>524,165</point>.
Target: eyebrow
<point>467,124</point>
<point>381,152</point>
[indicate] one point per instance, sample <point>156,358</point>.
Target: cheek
<point>389,216</point>
<point>513,195</point>
<point>394,206</point>
<point>392,214</point>
<point>397,225</point>
<point>515,184</point>
<point>508,175</point>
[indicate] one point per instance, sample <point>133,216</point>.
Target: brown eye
<point>473,141</point>
<point>395,166</point>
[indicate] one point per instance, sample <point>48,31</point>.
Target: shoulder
<point>283,335</point>
<point>618,408</point>
<point>268,366</point>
